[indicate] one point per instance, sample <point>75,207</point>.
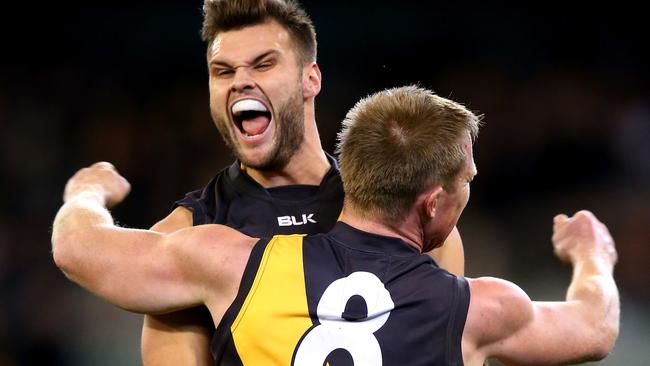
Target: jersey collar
<point>362,240</point>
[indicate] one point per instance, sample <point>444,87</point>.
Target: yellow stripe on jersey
<point>274,315</point>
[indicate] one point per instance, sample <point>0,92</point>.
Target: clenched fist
<point>582,237</point>
<point>100,179</point>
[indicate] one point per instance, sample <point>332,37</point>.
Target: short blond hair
<point>396,143</point>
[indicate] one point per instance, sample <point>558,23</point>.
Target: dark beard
<point>290,133</point>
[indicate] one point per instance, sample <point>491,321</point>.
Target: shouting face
<point>256,94</point>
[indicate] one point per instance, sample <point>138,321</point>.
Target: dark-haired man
<point>263,79</point>
<point>363,293</point>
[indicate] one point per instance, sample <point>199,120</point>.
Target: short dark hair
<point>225,15</point>
<point>396,143</point>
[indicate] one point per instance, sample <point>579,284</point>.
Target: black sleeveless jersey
<point>234,199</point>
<point>343,298</point>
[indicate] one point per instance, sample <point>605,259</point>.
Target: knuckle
<point>588,215</point>
<point>104,165</point>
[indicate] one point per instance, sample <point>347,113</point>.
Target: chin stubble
<point>290,134</point>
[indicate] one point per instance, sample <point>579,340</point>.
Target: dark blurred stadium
<point>564,90</point>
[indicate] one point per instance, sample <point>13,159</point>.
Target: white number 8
<point>334,332</point>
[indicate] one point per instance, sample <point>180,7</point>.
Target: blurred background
<point>564,89</point>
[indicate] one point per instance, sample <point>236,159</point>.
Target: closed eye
<point>266,65</point>
<point>223,72</point>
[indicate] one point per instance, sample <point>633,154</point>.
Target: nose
<point>242,80</point>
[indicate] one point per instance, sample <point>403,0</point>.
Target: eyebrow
<point>257,59</point>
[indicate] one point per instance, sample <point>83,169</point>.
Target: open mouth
<point>251,116</point>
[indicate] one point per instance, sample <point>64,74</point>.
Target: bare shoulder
<point>217,251</point>
<point>219,240</point>
<point>213,258</point>
<point>498,309</point>
<point>178,219</point>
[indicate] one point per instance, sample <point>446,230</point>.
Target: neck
<point>307,166</point>
<point>407,229</point>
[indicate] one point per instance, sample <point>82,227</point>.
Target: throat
<point>301,170</point>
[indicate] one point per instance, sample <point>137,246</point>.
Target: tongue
<point>255,126</point>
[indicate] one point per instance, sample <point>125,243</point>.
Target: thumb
<point>560,219</point>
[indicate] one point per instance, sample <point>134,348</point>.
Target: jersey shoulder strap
<point>272,290</point>
<point>210,204</point>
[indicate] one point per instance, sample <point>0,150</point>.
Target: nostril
<point>238,87</point>
<point>241,80</point>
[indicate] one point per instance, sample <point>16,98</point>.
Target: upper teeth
<point>248,105</point>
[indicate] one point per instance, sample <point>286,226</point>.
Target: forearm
<point>75,228</point>
<point>133,269</point>
<point>593,287</point>
<point>550,333</point>
<point>139,270</point>
<point>581,328</point>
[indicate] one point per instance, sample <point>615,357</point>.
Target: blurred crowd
<point>566,102</point>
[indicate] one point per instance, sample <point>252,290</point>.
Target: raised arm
<point>504,323</point>
<point>451,255</point>
<point>182,337</point>
<point>138,270</point>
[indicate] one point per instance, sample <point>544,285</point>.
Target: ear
<point>311,81</point>
<point>430,202</point>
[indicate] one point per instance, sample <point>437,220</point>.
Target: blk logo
<point>292,221</point>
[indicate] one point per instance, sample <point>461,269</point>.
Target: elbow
<point>62,254</point>
<point>610,335</point>
<point>604,341</point>
<point>608,328</point>
<point>59,255</point>
<point>601,316</point>
<point>61,258</point>
<point>601,351</point>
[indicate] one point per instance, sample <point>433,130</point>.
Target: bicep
<point>138,270</point>
<point>503,322</point>
<point>555,335</point>
<point>182,337</point>
<point>451,255</point>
